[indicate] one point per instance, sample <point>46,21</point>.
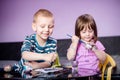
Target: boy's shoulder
<point>51,39</point>
<point>32,36</point>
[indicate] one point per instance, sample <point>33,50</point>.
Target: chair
<point>108,65</point>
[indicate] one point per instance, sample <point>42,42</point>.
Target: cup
<point>74,67</point>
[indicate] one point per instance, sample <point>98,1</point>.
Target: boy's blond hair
<point>42,12</point>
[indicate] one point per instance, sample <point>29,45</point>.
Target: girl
<point>85,48</point>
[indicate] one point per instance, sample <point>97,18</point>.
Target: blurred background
<point>16,17</point>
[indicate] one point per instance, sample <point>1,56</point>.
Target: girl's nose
<point>87,33</point>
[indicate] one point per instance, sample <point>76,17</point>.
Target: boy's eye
<point>42,26</point>
<point>51,26</point>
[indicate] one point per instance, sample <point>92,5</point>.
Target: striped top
<point>31,44</point>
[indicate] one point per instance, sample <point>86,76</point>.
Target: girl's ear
<point>34,27</point>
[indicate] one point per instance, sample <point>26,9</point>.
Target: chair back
<point>108,65</point>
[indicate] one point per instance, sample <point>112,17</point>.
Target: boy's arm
<point>31,56</point>
<point>37,65</point>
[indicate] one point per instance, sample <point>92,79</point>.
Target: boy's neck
<point>40,41</point>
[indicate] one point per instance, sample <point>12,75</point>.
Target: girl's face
<point>87,34</point>
<point>43,27</point>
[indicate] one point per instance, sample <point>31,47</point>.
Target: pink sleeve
<point>100,46</point>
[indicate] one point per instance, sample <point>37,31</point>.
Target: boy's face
<point>43,27</point>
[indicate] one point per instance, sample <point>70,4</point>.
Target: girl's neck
<point>84,41</point>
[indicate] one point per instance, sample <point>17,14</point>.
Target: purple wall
<point>16,16</point>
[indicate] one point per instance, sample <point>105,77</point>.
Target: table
<point>65,74</point>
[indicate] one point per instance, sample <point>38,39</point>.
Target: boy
<point>39,49</point>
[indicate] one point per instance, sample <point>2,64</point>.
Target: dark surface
<point>10,52</point>
<point>65,74</point>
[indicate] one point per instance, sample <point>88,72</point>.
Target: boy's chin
<point>44,38</point>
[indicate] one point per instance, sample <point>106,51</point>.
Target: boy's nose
<point>46,28</point>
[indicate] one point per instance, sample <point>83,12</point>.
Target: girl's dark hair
<point>85,21</point>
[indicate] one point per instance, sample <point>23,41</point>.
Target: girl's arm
<point>100,54</point>
<point>73,47</point>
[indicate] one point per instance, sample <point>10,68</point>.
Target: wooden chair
<point>108,65</point>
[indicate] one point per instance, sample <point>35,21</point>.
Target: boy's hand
<point>37,65</point>
<point>32,64</point>
<point>51,57</point>
<point>54,57</point>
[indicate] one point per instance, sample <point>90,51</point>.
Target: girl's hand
<point>92,45</point>
<point>89,45</point>
<point>75,39</point>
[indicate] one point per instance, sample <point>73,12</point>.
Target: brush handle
<point>86,45</point>
<point>79,40</point>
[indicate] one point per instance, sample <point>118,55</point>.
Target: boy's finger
<point>28,64</point>
<point>53,57</point>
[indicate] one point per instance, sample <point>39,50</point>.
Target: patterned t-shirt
<point>31,44</point>
<point>88,63</point>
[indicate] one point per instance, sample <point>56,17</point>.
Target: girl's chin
<point>87,40</point>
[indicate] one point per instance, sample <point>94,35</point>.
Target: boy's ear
<point>34,27</point>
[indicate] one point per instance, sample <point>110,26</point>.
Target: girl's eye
<point>83,31</point>
<point>90,31</point>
